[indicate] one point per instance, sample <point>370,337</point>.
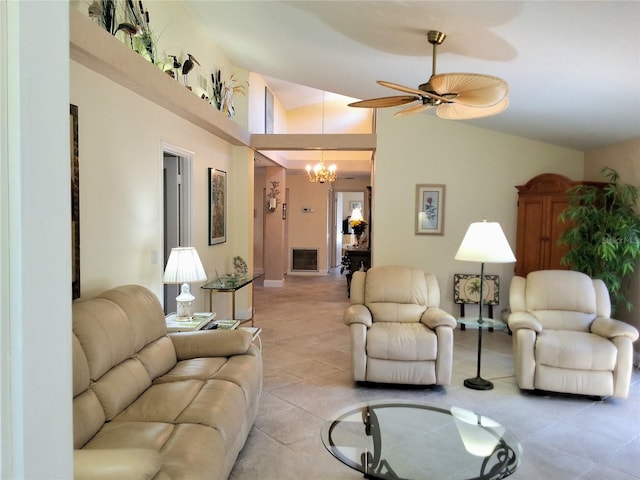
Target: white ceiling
<point>573,67</point>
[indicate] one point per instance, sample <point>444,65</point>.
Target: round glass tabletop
<point>408,440</point>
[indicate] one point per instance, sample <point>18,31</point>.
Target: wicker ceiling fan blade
<point>421,107</point>
<point>457,96</point>
<point>385,101</point>
<point>402,88</point>
<point>471,89</point>
<point>457,111</point>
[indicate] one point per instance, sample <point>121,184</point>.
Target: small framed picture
<point>430,209</point>
<point>353,205</point>
<point>466,289</point>
<point>217,206</point>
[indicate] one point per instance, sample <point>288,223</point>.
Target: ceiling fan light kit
<point>456,96</point>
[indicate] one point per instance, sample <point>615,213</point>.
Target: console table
<point>358,258</point>
<point>231,286</point>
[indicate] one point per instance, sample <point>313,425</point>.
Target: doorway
<point>177,210</point>
<point>341,233</point>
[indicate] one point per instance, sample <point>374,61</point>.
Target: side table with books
<point>198,321</point>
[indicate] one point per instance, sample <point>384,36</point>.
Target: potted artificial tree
<point>603,234</point>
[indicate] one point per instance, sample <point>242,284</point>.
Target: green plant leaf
<point>603,233</point>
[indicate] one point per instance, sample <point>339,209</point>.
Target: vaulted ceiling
<point>573,67</point>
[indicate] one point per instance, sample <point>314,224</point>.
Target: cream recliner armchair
<point>398,332</point>
<point>563,338</point>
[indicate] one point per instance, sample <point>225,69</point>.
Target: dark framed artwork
<point>268,111</point>
<point>217,206</point>
<point>75,201</point>
<point>466,289</point>
<point>430,209</point>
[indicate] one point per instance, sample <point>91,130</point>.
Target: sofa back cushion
<point>104,332</point>
<point>143,310</point>
<point>88,415</point>
<point>561,299</point>
<point>398,294</point>
<point>123,336</point>
<point>154,349</point>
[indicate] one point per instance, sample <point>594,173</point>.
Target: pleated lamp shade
<point>184,266</point>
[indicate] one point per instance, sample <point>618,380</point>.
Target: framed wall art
<point>466,289</point>
<point>217,206</point>
<point>430,209</point>
<point>75,202</point>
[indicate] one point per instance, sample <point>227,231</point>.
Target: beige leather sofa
<point>147,405</point>
<point>398,332</point>
<point>563,338</point>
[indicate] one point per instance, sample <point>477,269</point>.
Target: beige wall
<point>625,159</point>
<point>333,115</point>
<point>121,139</point>
<point>480,169</point>
<point>308,229</point>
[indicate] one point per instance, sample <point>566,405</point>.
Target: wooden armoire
<point>540,201</point>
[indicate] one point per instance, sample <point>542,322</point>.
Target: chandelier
<point>320,173</point>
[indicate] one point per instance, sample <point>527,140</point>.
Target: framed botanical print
<point>217,206</point>
<point>430,209</point>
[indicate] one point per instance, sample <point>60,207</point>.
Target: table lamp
<point>184,266</point>
<point>484,242</point>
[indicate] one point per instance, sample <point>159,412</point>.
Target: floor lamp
<point>484,242</point>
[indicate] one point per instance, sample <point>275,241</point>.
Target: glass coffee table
<point>408,440</point>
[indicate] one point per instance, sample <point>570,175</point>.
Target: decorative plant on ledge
<point>135,23</point>
<point>603,234</point>
<point>223,93</point>
<point>131,18</point>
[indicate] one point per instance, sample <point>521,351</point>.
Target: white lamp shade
<point>356,214</point>
<point>485,242</point>
<point>184,266</point>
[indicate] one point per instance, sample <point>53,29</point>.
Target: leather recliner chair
<point>398,332</point>
<point>563,337</point>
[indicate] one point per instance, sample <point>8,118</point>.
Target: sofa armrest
<point>518,320</point>
<point>120,463</point>
<point>210,343</point>
<point>609,328</point>
<point>436,317</point>
<point>357,314</point>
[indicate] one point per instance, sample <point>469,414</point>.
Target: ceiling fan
<point>456,96</point>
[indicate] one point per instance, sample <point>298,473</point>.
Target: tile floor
<point>307,378</point>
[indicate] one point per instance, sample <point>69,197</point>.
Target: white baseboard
<point>273,283</point>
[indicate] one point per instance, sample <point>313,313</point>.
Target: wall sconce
<point>272,202</point>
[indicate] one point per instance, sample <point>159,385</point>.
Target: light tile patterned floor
<point>307,378</point>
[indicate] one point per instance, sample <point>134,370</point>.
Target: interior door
<point>177,212</point>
